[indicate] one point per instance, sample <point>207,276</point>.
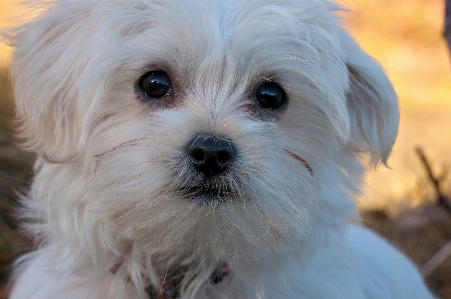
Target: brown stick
<point>447,29</point>
<point>442,200</point>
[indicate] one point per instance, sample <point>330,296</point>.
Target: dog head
<point>187,131</point>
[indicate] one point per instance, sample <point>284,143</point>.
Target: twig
<point>436,260</point>
<point>447,29</point>
<point>442,200</point>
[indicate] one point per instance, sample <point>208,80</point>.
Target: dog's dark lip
<point>208,193</point>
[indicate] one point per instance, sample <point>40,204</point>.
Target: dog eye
<point>270,95</point>
<point>155,85</point>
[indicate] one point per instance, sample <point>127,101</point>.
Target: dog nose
<point>211,155</point>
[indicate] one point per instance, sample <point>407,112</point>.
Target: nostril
<point>197,154</point>
<point>224,156</point>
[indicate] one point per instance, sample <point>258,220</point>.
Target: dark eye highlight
<point>155,85</point>
<point>270,95</point>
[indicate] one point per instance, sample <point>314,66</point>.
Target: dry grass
<point>15,172</point>
<point>420,233</point>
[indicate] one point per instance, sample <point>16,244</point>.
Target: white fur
<point>110,164</point>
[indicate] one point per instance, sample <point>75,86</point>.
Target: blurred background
<point>401,203</point>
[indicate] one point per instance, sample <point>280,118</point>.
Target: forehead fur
<point>218,52</point>
<point>211,38</point>
<point>214,48</point>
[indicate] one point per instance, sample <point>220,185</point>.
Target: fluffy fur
<point>112,166</point>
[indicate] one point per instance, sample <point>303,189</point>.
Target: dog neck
<point>170,285</point>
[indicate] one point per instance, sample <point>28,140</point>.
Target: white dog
<point>201,149</point>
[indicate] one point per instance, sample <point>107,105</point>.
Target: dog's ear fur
<point>45,76</point>
<point>372,104</point>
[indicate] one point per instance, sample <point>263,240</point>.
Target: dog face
<point>196,130</point>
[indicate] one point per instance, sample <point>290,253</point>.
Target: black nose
<point>211,155</point>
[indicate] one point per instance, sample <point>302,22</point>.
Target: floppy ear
<point>45,74</point>
<point>372,104</point>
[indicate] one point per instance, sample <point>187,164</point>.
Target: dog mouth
<point>209,193</point>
